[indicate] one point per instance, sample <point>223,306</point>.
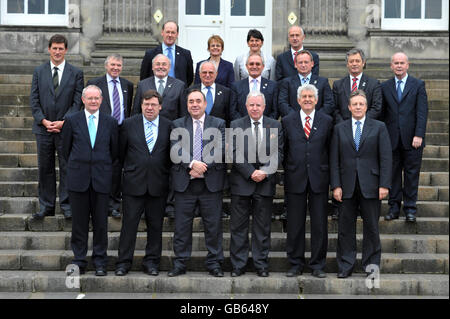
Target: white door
<point>231,19</point>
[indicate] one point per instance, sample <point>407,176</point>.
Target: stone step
<point>435,151</point>
<point>434,165</point>
<point>16,122</point>
<point>409,285</point>
<point>438,105</point>
<point>416,244</point>
<point>437,127</point>
<point>9,110</point>
<point>437,115</point>
<point>29,147</point>
<point>45,260</point>
<point>423,226</point>
<point>16,134</point>
<point>436,138</point>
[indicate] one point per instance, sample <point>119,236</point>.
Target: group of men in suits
<point>136,164</point>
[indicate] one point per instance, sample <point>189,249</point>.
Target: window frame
<point>27,19</point>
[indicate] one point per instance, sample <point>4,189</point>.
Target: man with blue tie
<point>360,176</point>
<point>145,157</point>
<point>405,110</point>
<point>117,102</point>
<point>180,59</point>
<point>287,99</point>
<point>90,147</point>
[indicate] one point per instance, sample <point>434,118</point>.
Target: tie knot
<point>256,123</point>
<point>209,88</point>
<point>355,79</point>
<point>92,116</point>
<point>400,81</point>
<point>358,123</point>
<point>55,68</point>
<point>308,118</point>
<point>161,81</point>
<point>114,81</point>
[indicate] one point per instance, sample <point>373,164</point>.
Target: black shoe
<point>294,271</point>
<point>81,270</point>
<point>170,211</point>
<point>216,272</point>
<point>237,272</point>
<point>121,271</point>
<point>176,272</point>
<point>391,216</point>
<point>262,273</point>
<point>40,215</point>
<point>152,271</point>
<point>335,213</point>
<point>115,214</point>
<point>100,271</point>
<point>410,217</point>
<point>67,214</point>
<point>319,273</point>
<point>283,216</point>
<point>224,215</point>
<point>343,275</point>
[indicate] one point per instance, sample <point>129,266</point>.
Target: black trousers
<point>317,204</point>
<point>405,179</point>
<point>210,210</point>
<point>153,208</point>
<point>261,209</point>
<point>346,248</point>
<point>115,197</point>
<point>84,206</point>
<point>47,145</point>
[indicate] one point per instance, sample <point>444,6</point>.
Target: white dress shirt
<point>213,90</point>
<point>402,85</point>
<point>308,77</point>
<point>258,84</point>
<point>260,127</point>
<point>109,80</point>
<point>60,70</point>
<point>303,116</point>
<point>354,125</point>
<point>96,114</point>
<point>157,82</point>
<point>166,51</point>
<point>357,82</point>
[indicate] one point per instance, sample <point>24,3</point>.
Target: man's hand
<point>194,174</point>
<point>337,194</point>
<point>53,127</point>
<point>383,192</point>
<point>258,175</point>
<point>199,167</point>
<point>417,142</point>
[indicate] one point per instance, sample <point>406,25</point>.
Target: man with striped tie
<point>360,176</point>
<point>145,158</point>
<point>91,149</point>
<point>117,102</point>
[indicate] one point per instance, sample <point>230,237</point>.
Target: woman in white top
<point>255,41</point>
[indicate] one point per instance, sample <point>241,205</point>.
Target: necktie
<point>255,85</point>
<point>92,129</point>
<point>354,86</point>
<point>399,90</point>
<point>55,79</point>
<point>295,55</point>
<point>161,87</point>
<point>357,135</point>
<point>149,136</point>
<point>209,100</point>
<point>172,66</point>
<point>305,80</point>
<point>257,140</point>
<point>307,127</point>
<point>197,151</point>
<point>116,102</point>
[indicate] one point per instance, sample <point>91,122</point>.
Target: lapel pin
<point>364,84</point>
<point>220,92</point>
<point>315,128</point>
<point>315,81</point>
<point>178,53</point>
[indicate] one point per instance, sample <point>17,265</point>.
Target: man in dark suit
<point>361,171</point>
<point>342,89</point>
<point>287,98</point>
<point>91,148</point>
<point>252,182</point>
<point>198,175</point>
<point>145,156</point>
<point>356,79</point>
<point>306,181</point>
<point>55,93</point>
<point>181,60</point>
<point>118,94</point>
<point>168,87</point>
<point>405,110</point>
<point>285,66</point>
<point>255,82</point>
<point>218,97</point>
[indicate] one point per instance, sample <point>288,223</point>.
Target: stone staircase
<point>34,254</point>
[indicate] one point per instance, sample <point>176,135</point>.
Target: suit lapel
<point>392,89</point>
<point>362,82</point>
<point>347,88</point>
<point>67,74</point>
<point>217,98</point>
<point>100,128</point>
<point>315,124</point>
<point>264,84</point>
<point>82,122</point>
<point>140,132</point>
<point>168,86</point>
<point>290,59</point>
<point>366,129</point>
<point>49,74</point>
<point>124,94</point>
<point>406,88</point>
<point>105,90</point>
<point>313,80</point>
<point>349,132</point>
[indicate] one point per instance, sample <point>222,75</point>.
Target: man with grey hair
<point>117,102</point>
<point>342,89</point>
<point>307,136</point>
<point>285,66</point>
<point>253,185</point>
<point>254,82</point>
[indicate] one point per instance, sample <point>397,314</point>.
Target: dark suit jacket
<point>287,97</point>
<point>183,64</point>
<point>45,104</point>
<point>372,163</point>
<point>144,172</point>
<point>215,175</point>
<point>222,101</point>
<point>306,159</point>
<point>240,177</point>
<point>127,92</point>
<point>285,65</point>
<point>341,93</point>
<point>240,90</point>
<point>172,106</point>
<point>225,73</point>
<point>86,165</point>
<point>406,118</point>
